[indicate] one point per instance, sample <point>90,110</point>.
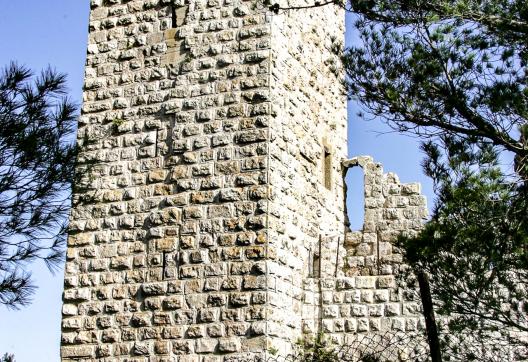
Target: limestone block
<point>365,282</point>
<point>77,351</point>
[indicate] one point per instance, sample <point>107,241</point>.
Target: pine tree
<point>37,156</point>
<point>8,358</point>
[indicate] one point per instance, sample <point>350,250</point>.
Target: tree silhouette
<point>37,159</point>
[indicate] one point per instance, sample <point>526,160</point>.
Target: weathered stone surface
<point>211,222</point>
<point>77,352</point>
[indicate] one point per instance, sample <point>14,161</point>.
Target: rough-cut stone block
<point>78,352</point>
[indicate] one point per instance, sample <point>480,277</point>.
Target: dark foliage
<point>444,68</point>
<point>36,170</point>
<point>475,247</point>
<point>8,358</point>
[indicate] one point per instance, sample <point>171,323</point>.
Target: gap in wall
<point>355,197</point>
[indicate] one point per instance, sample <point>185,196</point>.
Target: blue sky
<point>39,33</point>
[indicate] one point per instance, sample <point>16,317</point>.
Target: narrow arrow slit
<point>174,19</point>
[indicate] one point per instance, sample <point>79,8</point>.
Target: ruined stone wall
<point>363,300</point>
<point>391,208</point>
<point>366,307</point>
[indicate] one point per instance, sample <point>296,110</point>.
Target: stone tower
<point>211,141</point>
<point>208,219</point>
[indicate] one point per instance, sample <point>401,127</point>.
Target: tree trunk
<point>428,312</point>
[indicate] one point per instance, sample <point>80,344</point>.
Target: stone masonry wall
<point>391,208</point>
<point>168,230</point>
<point>184,243</point>
<point>308,120</point>
<point>208,220</point>
<point>363,307</point>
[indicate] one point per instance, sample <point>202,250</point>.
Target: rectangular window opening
<point>314,265</point>
<point>327,168</point>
